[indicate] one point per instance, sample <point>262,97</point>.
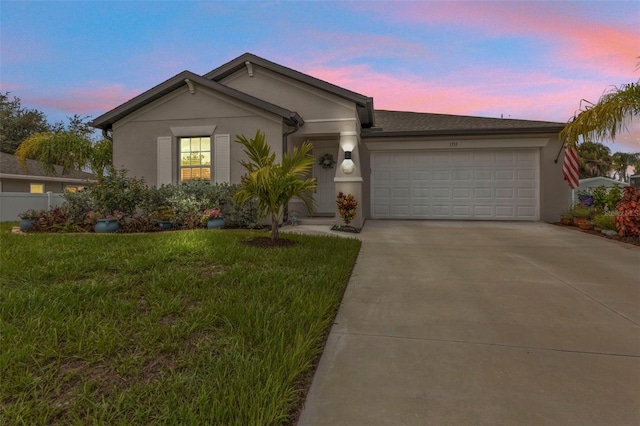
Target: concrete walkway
<point>485,323</point>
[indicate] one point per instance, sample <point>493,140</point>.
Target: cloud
<point>574,39</point>
<point>93,98</point>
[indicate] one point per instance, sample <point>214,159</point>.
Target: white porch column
<point>348,177</point>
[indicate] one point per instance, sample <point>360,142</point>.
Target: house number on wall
<point>453,143</point>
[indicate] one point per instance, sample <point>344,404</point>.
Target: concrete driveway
<point>484,323</point>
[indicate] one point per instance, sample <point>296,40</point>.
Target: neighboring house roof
<point>11,168</point>
<point>106,120</point>
<point>363,103</point>
<point>603,179</point>
<point>402,123</point>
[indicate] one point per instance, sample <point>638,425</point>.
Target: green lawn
<point>188,327</point>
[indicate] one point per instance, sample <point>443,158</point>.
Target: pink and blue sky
<point>532,60</point>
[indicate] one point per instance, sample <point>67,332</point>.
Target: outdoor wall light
<point>347,165</point>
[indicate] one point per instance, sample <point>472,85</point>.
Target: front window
<point>195,159</point>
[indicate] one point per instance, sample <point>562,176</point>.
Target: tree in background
<point>594,159</point>
<point>70,146</point>
<point>273,184</point>
<point>621,163</point>
<point>18,123</point>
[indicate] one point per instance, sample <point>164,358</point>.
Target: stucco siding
<point>19,185</point>
<point>554,190</point>
<point>311,103</point>
<point>136,137</point>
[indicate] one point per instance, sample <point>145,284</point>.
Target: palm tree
<point>594,159</point>
<point>274,185</point>
<point>603,120</point>
<point>622,161</point>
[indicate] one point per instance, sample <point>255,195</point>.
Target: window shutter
<point>164,161</point>
<point>222,167</point>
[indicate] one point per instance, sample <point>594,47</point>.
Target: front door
<point>325,192</point>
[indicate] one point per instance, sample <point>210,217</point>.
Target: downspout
<point>285,215</point>
<point>107,134</point>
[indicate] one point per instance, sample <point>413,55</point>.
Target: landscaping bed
<point>189,327</point>
<point>628,239</point>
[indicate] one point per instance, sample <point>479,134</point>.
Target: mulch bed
<point>627,240</point>
<point>345,228</point>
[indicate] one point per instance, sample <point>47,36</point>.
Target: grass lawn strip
<point>189,327</point>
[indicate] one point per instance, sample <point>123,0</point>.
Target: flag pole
<point>558,156</point>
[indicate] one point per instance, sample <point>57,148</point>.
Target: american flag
<point>570,166</point>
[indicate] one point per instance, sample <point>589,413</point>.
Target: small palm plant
<point>273,184</point>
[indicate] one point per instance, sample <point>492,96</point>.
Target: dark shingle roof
<point>9,166</point>
<point>402,123</point>
<point>364,104</point>
<point>106,120</point>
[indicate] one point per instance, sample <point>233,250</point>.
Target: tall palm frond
<point>602,121</point>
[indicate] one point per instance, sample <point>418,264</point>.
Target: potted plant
<point>27,219</point>
<point>566,218</point>
<point>164,216</point>
<point>582,216</point>
<point>105,223</point>
<point>213,218</point>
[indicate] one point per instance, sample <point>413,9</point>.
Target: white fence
<point>13,203</point>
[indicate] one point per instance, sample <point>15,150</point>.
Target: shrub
<point>139,223</point>
<point>242,215</point>
<point>582,212</point>
<point>54,220</point>
<point>78,204</point>
<point>605,221</point>
<point>346,207</point>
<point>628,217</point>
<point>603,196</point>
<point>116,191</point>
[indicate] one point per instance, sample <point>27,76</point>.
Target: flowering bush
<point>31,214</point>
<point>346,207</point>
<point>93,216</point>
<point>210,214</point>
<point>628,217</point>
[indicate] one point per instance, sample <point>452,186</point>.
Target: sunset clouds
<point>531,60</point>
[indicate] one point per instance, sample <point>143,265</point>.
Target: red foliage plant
<point>628,216</point>
<point>347,207</point>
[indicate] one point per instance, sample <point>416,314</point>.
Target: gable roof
<point>402,123</point>
<point>364,104</point>
<point>10,167</point>
<point>106,120</point>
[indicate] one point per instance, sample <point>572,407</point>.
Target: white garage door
<point>482,184</point>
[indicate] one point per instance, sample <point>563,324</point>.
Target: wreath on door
<point>327,161</point>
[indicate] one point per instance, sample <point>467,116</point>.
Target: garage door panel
<point>441,193</point>
<point>504,193</point>
<point>504,174</point>
<point>505,212</point>
<point>461,210</point>
<point>401,193</point>
<point>480,193</point>
<point>526,174</point>
<point>462,193</point>
<point>499,184</point>
<point>441,175</point>
<point>479,175</point>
